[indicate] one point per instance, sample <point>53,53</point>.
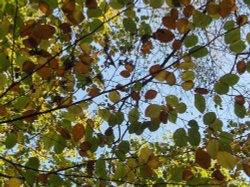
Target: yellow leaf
<point>144,155</point>
<point>13,182</point>
<point>114,96</point>
<point>154,162</point>
<point>153,111</point>
<point>226,160</point>
<point>213,148</point>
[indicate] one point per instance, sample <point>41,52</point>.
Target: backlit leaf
<point>226,160</point>
<point>200,102</point>
<point>180,137</point>
<point>202,158</point>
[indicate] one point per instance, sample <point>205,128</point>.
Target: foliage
<point>137,92</point>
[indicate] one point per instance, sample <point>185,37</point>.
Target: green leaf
<point>114,96</point>
<point>198,51</point>
<point>180,137</point>
<point>239,110</point>
<point>124,146</point>
<point>133,115</point>
<point>201,20</point>
<point>152,125</point>
<point>226,137</point>
<point>55,180</point>
<point>4,62</point>
<point>229,25</point>
<point>248,66</point>
<point>238,46</point>
<point>101,168</point>
<point>200,102</point>
<point>221,88</point>
<point>209,118</point>
<point>96,25</point>
<point>10,140</point>
<point>194,136</point>
<point>33,162</point>
<point>156,4</point>
<point>30,176</point>
<point>191,40</point>
<point>230,79</point>
<point>181,108</point>
<point>226,160</point>
<point>217,100</point>
<point>92,13</point>
<point>188,76</point>
<point>232,36</point>
<point>172,116</point>
<point>172,100</point>
<point>59,144</point>
<point>116,4</point>
<point>193,124</point>
<point>153,111</point>
<point>213,148</point>
<point>247,2</point>
<point>129,25</point>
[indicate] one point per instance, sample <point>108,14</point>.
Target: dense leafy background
<point>124,92</point>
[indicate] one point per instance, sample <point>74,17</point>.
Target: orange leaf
<point>168,22</point>
<point>26,29</point>
<point>242,19</point>
<point>155,69</point>
<point>136,96</point>
<point>75,17</point>
<point>81,68</point>
<point>227,7</point>
<point>45,8</point>
<point>150,94</point>
<point>125,73</point>
<point>44,31</point>
<point>202,158</point>
<point>78,132</point>
<point>212,8</point>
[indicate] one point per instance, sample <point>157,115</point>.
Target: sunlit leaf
<point>226,160</point>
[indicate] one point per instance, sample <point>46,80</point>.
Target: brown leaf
<point>155,69</point>
<point>240,99</point>
<point>212,8</point>
<point>91,4</point>
<point>28,67</point>
<point>241,67</point>
<point>168,22</point>
<point>45,72</point>
<point>64,133</point>
<point>202,158</point>
<point>78,132</point>
<point>125,73</point>
<point>150,94</point>
<point>242,19</point>
<point>82,68</point>
<point>174,13</point>
<point>44,31</point>
<point>68,6</point>
<point>27,28</point>
<point>93,92</point>
<point>176,45</point>
<point>45,8</point>
<point>201,90</point>
<point>182,25</point>
<point>185,2</point>
<point>187,175</point>
<point>164,35</point>
<point>218,175</point>
<point>136,96</point>
<point>227,7</point>
<point>90,167</point>
<point>65,28</point>
<point>246,168</point>
<point>85,146</point>
<point>188,11</point>
<point>3,110</point>
<point>75,17</point>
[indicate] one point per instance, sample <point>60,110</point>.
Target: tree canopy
<point>124,92</point>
